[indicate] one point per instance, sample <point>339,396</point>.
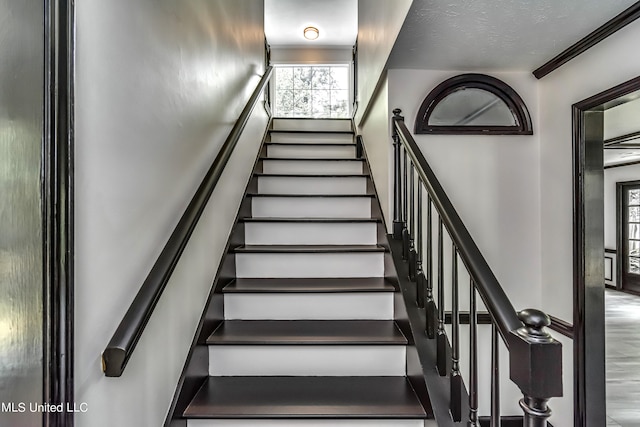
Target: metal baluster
<point>473,363</point>
<point>442,336</point>
<point>419,273</point>
<point>495,378</point>
<point>432,311</point>
<point>412,228</point>
<point>397,180</point>
<point>455,382</point>
<point>405,209</point>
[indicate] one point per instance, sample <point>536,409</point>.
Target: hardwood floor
<point>623,358</point>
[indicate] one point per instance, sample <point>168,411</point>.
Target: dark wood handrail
<point>124,340</point>
<point>492,294</point>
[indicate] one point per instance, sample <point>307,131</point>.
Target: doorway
<point>589,314</point>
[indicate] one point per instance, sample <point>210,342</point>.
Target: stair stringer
<point>196,367</point>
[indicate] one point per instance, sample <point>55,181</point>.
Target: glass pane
<point>321,103</point>
<point>634,265</point>
<point>284,78</point>
<point>340,78</point>
<point>339,103</point>
<point>302,103</point>
<point>284,103</point>
<point>472,107</point>
<point>634,197</point>
<point>321,78</point>
<point>634,231</point>
<point>634,248</point>
<point>634,214</point>
<point>302,77</point>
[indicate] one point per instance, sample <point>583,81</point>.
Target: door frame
<point>588,250</point>
<point>620,239</point>
<point>57,171</point>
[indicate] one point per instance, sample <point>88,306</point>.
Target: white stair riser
<point>324,185</point>
<point>291,265</point>
<point>311,207</point>
<point>307,233</point>
<point>312,167</point>
<point>316,124</point>
<point>312,151</point>
<point>309,306</point>
<point>309,423</point>
<point>318,138</point>
<point>307,360</point>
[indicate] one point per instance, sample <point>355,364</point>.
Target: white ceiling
<point>337,21</point>
<point>490,34</point>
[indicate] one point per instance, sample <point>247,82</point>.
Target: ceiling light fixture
<point>311,33</point>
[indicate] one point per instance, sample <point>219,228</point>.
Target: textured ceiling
<point>495,34</point>
<point>337,20</point>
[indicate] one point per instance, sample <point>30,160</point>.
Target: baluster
<point>456,379</point>
<point>442,336</point>
<point>405,209</point>
<point>473,355</point>
<point>432,312</point>
<point>412,227</point>
<point>495,378</point>
<point>419,273</point>
<point>397,181</point>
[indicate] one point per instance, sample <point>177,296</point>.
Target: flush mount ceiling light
<point>311,33</point>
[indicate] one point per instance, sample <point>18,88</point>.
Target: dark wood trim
<point>619,165</point>
<point>610,251</point>
<point>612,268</point>
<point>124,340</point>
<point>503,91</point>
<point>608,286</point>
<point>58,210</point>
<point>588,247</point>
<point>621,139</point>
<point>620,237</point>
<point>610,27</point>
<point>562,327</point>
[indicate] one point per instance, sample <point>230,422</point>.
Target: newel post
<point>535,360</point>
<point>398,224</point>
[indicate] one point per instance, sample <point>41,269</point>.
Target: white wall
<point>491,180</point>
<point>159,85</point>
<point>379,22</point>
<point>611,177</point>
<point>622,119</point>
<point>311,56</point>
<point>376,134</point>
<point>605,65</point>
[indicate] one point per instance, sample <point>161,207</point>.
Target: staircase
<point>309,335</point>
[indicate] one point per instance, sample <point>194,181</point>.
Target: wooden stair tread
<point>312,144</point>
<point>306,397</point>
<point>305,131</point>
<point>315,220</point>
<point>303,285</point>
<point>369,195</point>
<point>307,159</point>
<point>301,332</point>
<point>302,175</point>
<point>308,248</point>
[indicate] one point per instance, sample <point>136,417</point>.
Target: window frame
<point>497,87</point>
<point>350,90</point>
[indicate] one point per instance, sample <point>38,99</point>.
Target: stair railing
<point>124,340</point>
<point>535,358</point>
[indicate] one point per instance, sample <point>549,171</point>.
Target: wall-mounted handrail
<point>535,358</point>
<point>124,340</point>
